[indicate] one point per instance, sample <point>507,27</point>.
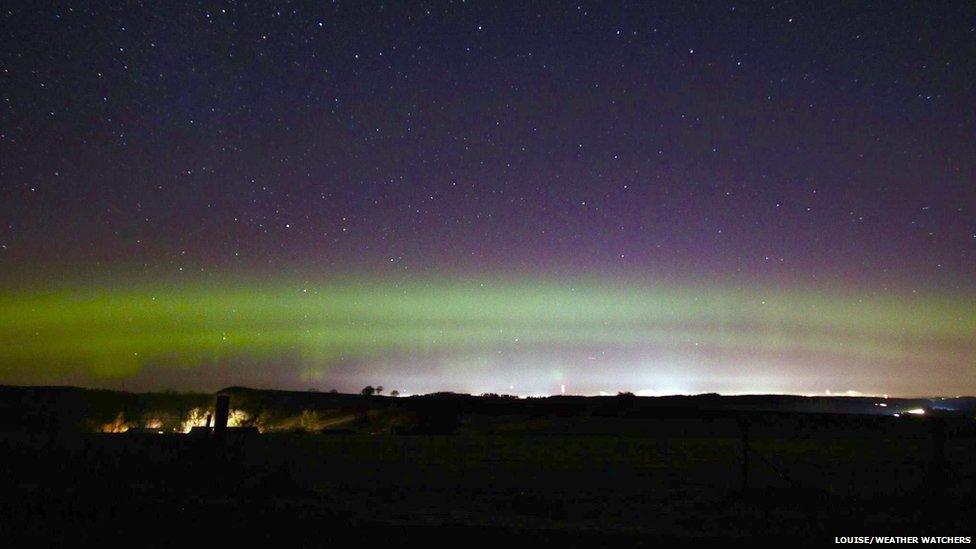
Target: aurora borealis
<point>654,197</point>
<point>529,338</point>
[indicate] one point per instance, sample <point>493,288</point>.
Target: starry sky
<point>515,197</point>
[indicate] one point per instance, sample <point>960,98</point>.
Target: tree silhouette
<point>368,390</point>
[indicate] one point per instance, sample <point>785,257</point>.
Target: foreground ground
<point>572,481</point>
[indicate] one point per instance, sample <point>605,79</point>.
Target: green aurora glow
<point>111,337</point>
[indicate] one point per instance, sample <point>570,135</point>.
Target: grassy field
<point>571,488</point>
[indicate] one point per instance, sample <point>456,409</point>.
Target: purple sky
<point>826,146</point>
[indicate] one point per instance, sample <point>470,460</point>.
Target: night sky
<point>517,197</point>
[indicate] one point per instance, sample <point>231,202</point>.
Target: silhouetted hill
<point>77,409</point>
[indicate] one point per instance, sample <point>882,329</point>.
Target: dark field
<point>563,476</point>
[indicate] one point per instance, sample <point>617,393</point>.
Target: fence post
<point>744,428</point>
<point>938,441</point>
<point>937,465</point>
<point>221,415</point>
